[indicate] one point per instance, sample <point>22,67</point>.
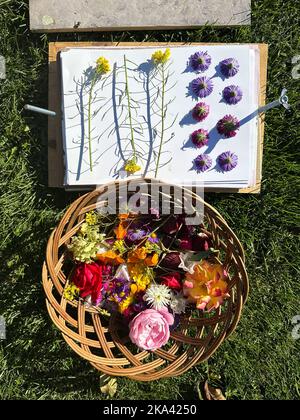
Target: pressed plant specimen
<point>102,67</point>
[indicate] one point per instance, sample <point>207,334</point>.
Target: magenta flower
<point>201,242</point>
<point>202,86</point>
<point>201,111</point>
<point>200,138</point>
<point>229,67</point>
<point>228,126</point>
<point>203,163</point>
<point>200,61</point>
<point>227,161</point>
<point>232,94</point>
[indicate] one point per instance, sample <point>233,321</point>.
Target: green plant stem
<point>90,120</point>
<point>129,109</point>
<point>162,119</point>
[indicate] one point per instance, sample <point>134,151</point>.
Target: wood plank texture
<point>102,15</point>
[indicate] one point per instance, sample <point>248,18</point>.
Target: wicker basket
<point>103,343</point>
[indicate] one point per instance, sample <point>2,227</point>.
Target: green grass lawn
<point>261,360</point>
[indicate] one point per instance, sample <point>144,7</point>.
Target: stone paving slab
<point>101,15</point>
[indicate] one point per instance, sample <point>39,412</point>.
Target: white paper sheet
<point>110,135</point>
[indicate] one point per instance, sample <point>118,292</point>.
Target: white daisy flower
<point>158,296</point>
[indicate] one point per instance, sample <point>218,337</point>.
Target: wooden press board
<point>55,143</point>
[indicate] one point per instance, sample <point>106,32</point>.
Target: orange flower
<point>217,291</point>
<point>207,286</point>
<point>134,288</point>
<point>205,272</point>
<point>137,255</point>
<point>123,216</point>
<point>110,257</point>
<point>152,260</point>
<point>120,231</point>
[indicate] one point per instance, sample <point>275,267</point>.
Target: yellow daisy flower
<point>91,218</point>
<point>132,166</point>
<point>140,275</point>
<point>103,65</point>
<point>71,292</point>
<point>160,57</point>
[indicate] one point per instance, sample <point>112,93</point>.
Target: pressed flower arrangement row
<point>149,269</point>
<point>228,125</point>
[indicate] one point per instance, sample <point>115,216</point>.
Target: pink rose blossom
<point>149,330</point>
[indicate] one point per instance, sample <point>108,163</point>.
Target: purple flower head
<point>139,304</point>
<point>201,111</point>
<point>200,138</point>
<point>153,239</point>
<point>117,290</point>
<point>227,161</point>
<point>202,86</point>
<point>137,231</point>
<point>232,94</point>
<point>200,61</point>
<point>136,234</point>
<point>203,163</point>
<point>228,126</point>
<point>229,67</point>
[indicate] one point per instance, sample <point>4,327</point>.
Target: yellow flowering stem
<point>162,118</point>
<point>129,109</point>
<point>102,67</point>
<point>93,82</point>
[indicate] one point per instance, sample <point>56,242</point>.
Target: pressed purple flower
<point>200,138</point>
<point>201,111</point>
<point>202,86</point>
<point>200,61</point>
<point>228,126</point>
<point>203,162</point>
<point>232,94</point>
<point>229,67</point>
<point>227,161</point>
